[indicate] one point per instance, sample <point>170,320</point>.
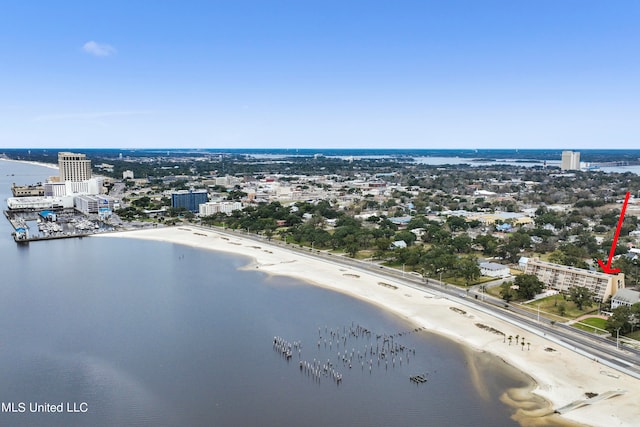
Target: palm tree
<point>528,346</point>
<point>510,338</point>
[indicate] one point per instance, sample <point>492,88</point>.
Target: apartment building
<point>212,208</point>
<point>562,278</point>
<point>189,199</point>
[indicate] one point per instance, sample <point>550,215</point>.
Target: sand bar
<point>561,376</point>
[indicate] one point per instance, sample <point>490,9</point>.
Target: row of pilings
<point>316,370</point>
<point>346,348</point>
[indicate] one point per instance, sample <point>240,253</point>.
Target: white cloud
<point>98,49</point>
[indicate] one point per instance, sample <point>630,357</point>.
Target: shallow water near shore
<point>159,334</point>
<point>149,333</point>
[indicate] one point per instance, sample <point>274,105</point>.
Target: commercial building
<point>27,190</point>
<point>39,203</point>
<point>68,188</point>
<point>189,199</point>
<point>562,278</point>
<point>74,167</point>
<point>92,204</point>
<point>570,161</point>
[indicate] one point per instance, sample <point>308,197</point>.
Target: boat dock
<point>33,226</point>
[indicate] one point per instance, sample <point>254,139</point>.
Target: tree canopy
<point>528,286</point>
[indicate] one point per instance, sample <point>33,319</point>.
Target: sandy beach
<point>559,376</point>
<point>46,165</point>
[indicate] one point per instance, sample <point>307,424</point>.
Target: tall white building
<point>74,167</point>
<point>570,161</point>
<point>212,208</point>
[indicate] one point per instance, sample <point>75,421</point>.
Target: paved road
<point>595,347</point>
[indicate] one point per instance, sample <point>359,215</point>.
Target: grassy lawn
<point>590,323</point>
<point>633,335</point>
<point>552,303</point>
<point>595,321</point>
<point>462,282</point>
<point>543,257</point>
<point>364,254</point>
<point>494,291</point>
<point>549,307</point>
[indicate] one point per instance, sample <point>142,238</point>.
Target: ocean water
<point>141,333</point>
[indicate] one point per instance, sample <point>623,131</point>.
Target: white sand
<point>46,165</point>
<point>561,376</point>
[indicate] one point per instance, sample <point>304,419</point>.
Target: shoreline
<point>558,377</point>
<point>28,162</point>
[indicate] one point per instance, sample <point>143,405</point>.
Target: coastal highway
<point>597,348</point>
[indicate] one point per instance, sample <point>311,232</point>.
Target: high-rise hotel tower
<point>74,167</point>
<point>570,161</point>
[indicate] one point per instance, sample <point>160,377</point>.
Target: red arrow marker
<point>607,268</point>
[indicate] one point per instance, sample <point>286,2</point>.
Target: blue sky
<point>319,74</point>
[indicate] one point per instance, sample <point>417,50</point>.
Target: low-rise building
<point>27,190</point>
<point>493,269</point>
<point>562,278</point>
<point>398,244</point>
<point>39,203</point>
<point>625,297</point>
<point>92,204</point>
<point>522,262</point>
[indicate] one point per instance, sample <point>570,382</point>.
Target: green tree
<point>457,223</point>
<point>436,234</point>
<point>619,320</point>
<point>142,202</point>
<point>581,296</point>
<point>506,292</point>
<point>516,243</point>
<point>461,243</point>
<point>562,309</point>
<point>629,268</point>
<point>439,260</point>
<point>468,268</point>
<point>489,244</point>
<point>408,237</point>
<point>528,286</point>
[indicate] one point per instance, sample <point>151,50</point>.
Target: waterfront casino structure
<point>74,167</point>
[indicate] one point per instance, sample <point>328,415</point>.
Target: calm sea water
<point>156,334</point>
